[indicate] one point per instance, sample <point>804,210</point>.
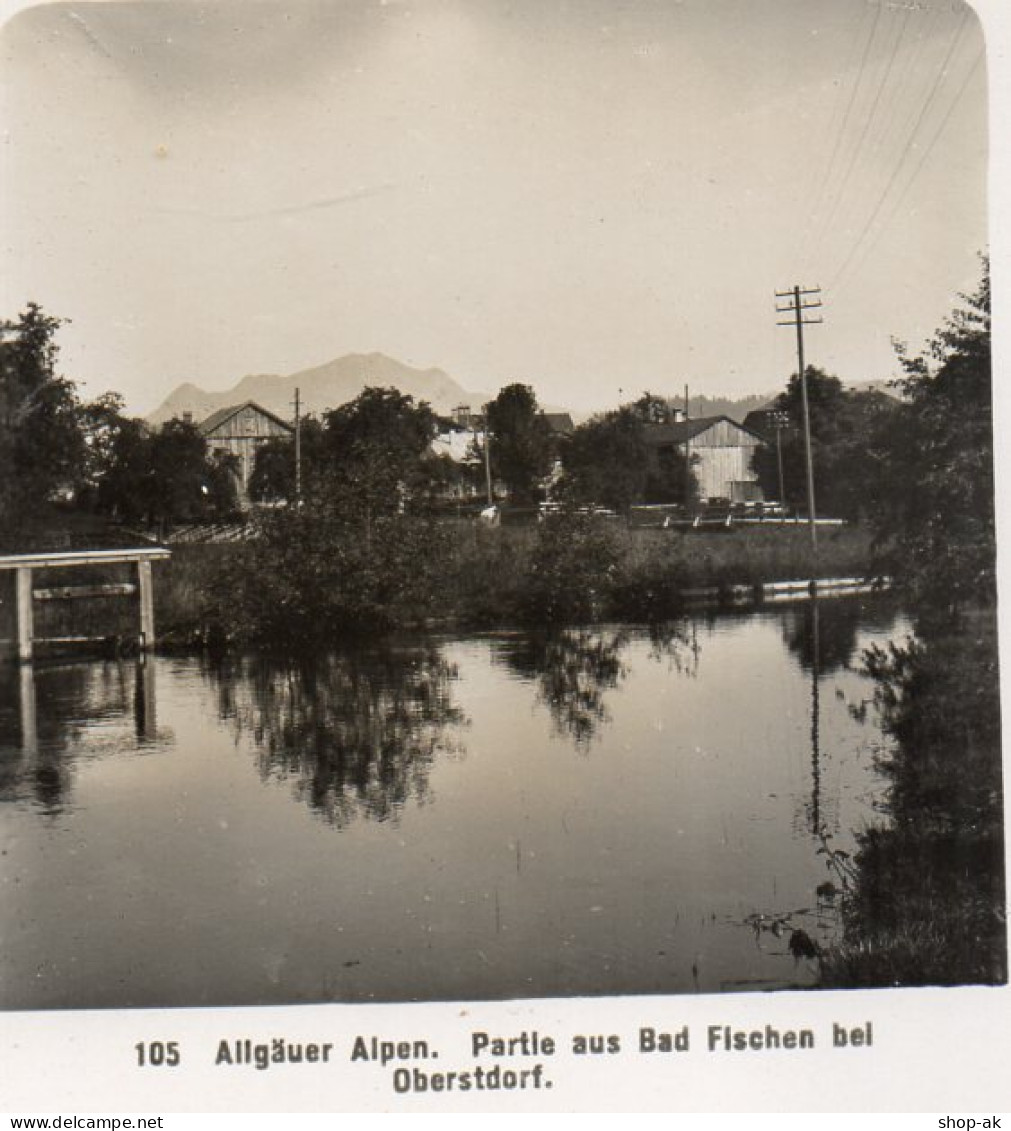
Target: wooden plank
<point>74,639</point>
<point>83,557</point>
<point>74,592</point>
<point>24,601</point>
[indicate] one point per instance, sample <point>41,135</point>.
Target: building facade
<point>719,451</point>
<point>239,430</point>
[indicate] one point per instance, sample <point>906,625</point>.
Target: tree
<point>844,425</point>
<point>606,460</point>
<point>180,480</point>
<point>376,450</point>
<point>936,522</point>
<point>273,477</point>
<point>41,443</point>
<point>521,442</point>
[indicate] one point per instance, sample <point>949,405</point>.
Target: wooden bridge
<point>25,564</point>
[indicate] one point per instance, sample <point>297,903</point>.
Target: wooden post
<point>144,701</point>
<point>24,603</point>
<point>146,591</point>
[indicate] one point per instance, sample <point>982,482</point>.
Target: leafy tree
<point>609,462</point>
<point>126,485</point>
<point>273,477</point>
<point>180,480</point>
<point>41,443</point>
<point>844,426</point>
<point>936,521</point>
<point>521,441</point>
<point>606,460</point>
<point>377,447</point>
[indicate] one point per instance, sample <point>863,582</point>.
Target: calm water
<point>603,811</point>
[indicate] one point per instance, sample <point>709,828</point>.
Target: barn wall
<point>724,458</point>
<point>241,435</point>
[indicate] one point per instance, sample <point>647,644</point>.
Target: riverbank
<point>924,900</point>
<point>573,569</point>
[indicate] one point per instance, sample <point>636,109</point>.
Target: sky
<point>594,197</point>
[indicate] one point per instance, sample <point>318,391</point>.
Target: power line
<point>841,194</point>
<point>896,170</point>
<point>849,110</point>
<point>916,172</point>
<point>918,102</point>
<point>824,179</point>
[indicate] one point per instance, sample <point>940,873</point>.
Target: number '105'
<point>155,1054</point>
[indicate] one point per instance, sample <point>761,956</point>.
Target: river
<point>614,810</point>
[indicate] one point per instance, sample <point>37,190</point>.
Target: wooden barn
<point>239,430</point>
<point>720,450</point>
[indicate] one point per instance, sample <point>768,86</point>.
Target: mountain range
<point>341,380</point>
<point>322,388</point>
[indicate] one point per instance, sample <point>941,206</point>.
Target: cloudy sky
<point>592,196</point>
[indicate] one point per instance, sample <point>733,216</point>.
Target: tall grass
<point>572,569</point>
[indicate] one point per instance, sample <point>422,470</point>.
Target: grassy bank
<point>573,569</point>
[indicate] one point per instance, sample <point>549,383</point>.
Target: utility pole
<point>797,303</point>
<point>487,460</point>
<point>298,451</point>
<point>780,420</point>
<point>688,460</point>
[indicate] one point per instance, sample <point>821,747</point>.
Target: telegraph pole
<point>797,302</point>
<point>298,451</point>
<point>487,461</point>
<point>780,421</point>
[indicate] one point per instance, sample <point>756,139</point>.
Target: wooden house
<point>239,430</point>
<point>720,451</point>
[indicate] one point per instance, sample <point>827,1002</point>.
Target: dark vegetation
<point>924,900</point>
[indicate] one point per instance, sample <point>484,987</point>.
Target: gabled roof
<point>684,430</point>
<point>560,423</point>
<point>216,419</point>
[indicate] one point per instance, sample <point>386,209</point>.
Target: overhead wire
<point>903,95</point>
<point>840,277</point>
<point>858,150</point>
<point>824,179</point>
<point>898,167</point>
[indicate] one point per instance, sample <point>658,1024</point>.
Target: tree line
<point>60,453</point>
<point>916,466</point>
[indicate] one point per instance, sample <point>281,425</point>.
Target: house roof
<point>216,419</point>
<point>682,431</point>
<point>762,421</point>
<point>560,423</point>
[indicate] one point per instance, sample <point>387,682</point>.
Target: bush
<point>572,570</point>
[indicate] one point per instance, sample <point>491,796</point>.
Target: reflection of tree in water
<point>840,621</point>
<point>358,732</point>
<point>575,668</point>
<point>834,644</point>
<point>676,643</point>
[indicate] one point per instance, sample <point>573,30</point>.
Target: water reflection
<point>357,732</point>
<point>46,712</point>
<point>822,634</point>
<point>575,668</point>
<point>679,856</point>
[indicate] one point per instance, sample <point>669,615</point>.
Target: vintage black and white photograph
<point>496,502</point>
